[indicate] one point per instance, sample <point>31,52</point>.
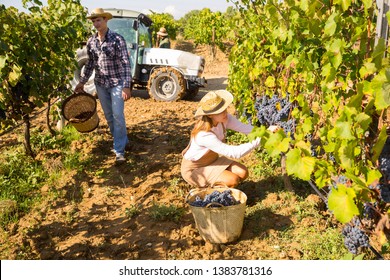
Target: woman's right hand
<point>256,142</point>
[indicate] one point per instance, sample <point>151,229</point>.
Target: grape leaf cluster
<point>354,237</point>
<point>224,198</point>
<point>275,110</point>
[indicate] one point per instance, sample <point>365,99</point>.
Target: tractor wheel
<point>166,84</point>
<point>82,58</point>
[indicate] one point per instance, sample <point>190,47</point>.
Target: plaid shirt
<point>110,60</point>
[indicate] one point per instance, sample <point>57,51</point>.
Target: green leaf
<point>345,4</point>
<point>380,85</point>
<point>343,131</point>
<point>14,76</point>
<point>298,165</point>
<point>257,132</point>
<point>341,203</point>
<point>346,155</point>
<point>330,25</point>
<point>356,100</point>
<point>367,69</point>
<point>277,144</point>
<point>373,175</point>
<point>304,5</point>
<point>380,143</point>
<point>363,120</point>
<point>3,59</point>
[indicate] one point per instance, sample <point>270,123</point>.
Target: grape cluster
<point>275,111</point>
<point>341,179</point>
<point>384,160</point>
<point>224,198</point>
<point>354,237</point>
<point>368,211</point>
<point>384,190</point>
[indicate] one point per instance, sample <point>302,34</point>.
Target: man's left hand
<point>126,93</point>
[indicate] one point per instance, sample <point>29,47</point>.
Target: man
<point>109,58</point>
<point>163,39</point>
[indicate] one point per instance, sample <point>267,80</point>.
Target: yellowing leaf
<point>3,59</point>
<point>14,76</point>
<point>270,82</point>
<point>341,203</point>
<point>298,165</point>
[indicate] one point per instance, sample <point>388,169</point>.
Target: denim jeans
<point>113,107</point>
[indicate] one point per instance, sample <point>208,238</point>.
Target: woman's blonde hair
<point>204,123</point>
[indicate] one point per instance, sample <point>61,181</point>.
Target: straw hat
<point>162,32</point>
<point>99,12</point>
<point>214,102</point>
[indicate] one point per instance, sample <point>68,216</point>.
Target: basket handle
<point>214,204</point>
<point>191,192</point>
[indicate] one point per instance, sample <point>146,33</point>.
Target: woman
<point>207,159</point>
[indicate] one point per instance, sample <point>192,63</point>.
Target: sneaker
<point>120,158</point>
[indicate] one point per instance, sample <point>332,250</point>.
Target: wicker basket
<point>218,225</point>
<point>80,110</point>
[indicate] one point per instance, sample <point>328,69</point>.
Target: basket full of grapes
<point>218,212</point>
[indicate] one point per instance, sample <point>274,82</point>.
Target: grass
<point>164,212</point>
<point>22,177</point>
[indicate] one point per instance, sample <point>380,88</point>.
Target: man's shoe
<point>120,158</point>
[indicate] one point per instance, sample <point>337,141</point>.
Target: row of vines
<point>37,57</point>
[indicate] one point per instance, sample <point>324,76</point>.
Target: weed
<point>175,188</point>
<point>166,212</point>
<point>109,191</point>
<point>133,210</point>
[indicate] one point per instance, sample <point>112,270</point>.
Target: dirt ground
<point>108,213</point>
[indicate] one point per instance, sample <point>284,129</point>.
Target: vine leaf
<point>277,144</point>
<point>343,130</point>
<point>380,143</point>
<point>381,86</point>
<point>2,61</point>
<point>300,166</point>
<point>14,75</point>
<point>341,203</point>
<point>330,25</point>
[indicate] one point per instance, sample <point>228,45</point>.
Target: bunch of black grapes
<point>384,167</point>
<point>275,110</point>
<point>384,161</point>
<point>354,237</point>
<point>224,198</point>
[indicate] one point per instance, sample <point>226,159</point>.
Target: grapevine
<point>326,57</point>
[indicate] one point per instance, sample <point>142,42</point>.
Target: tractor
<point>167,74</point>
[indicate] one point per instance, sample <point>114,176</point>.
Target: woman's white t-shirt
<point>213,140</point>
